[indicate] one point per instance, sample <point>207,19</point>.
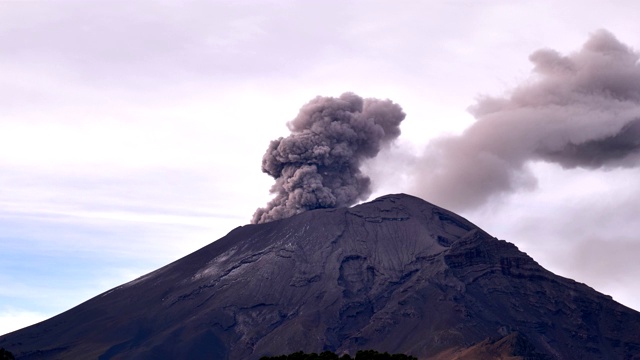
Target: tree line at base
<point>328,355</point>
<point>5,354</point>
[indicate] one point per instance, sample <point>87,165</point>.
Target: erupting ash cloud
<point>580,110</point>
<point>318,165</point>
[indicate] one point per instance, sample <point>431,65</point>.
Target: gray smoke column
<point>318,165</point>
<point>580,110</point>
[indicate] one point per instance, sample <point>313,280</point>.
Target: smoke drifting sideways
<point>318,165</point>
<point>580,110</point>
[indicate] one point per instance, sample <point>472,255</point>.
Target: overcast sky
<point>132,133</point>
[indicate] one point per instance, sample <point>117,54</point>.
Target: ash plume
<point>580,110</point>
<point>318,165</point>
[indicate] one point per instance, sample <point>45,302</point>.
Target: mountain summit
<point>396,274</point>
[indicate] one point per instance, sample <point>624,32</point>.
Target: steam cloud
<point>318,165</point>
<point>580,110</point>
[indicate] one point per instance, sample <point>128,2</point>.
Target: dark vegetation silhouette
<point>6,355</point>
<point>328,355</point>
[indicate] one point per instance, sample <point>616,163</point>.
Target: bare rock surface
<point>396,274</point>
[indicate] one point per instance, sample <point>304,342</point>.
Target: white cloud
<point>12,319</point>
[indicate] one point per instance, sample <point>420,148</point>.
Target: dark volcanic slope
<point>396,274</point>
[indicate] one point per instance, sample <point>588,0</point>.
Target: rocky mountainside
<point>396,274</point>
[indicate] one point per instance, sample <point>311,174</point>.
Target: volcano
<point>397,274</point>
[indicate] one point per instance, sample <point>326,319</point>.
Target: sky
<point>132,133</point>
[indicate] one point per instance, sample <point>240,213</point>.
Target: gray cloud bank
<point>318,165</point>
<point>580,110</point>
